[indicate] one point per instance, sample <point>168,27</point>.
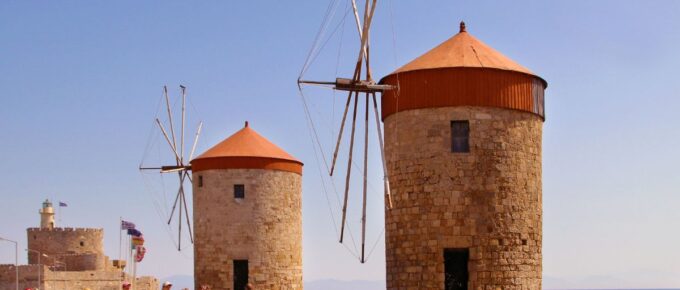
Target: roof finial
<point>246,124</point>
<point>462,26</point>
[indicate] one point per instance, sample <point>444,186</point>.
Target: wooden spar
<point>193,148</point>
<point>368,18</point>
<point>184,99</point>
<point>174,205</point>
<point>165,134</point>
<point>357,71</point>
<point>350,85</point>
<point>342,128</point>
<point>363,215</point>
<point>172,129</point>
<point>356,18</point>
<point>184,200</point>
<point>181,193</point>
<point>386,180</point>
<point>349,169</point>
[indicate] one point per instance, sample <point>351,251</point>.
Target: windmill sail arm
<point>343,84</point>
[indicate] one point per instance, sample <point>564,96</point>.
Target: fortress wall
<point>63,241</point>
<point>59,280</point>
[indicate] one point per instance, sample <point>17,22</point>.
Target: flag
<point>139,256</point>
<point>63,204</point>
<point>125,225</point>
<point>134,232</point>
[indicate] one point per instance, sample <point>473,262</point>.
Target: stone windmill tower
<point>247,215</point>
<point>463,147</point>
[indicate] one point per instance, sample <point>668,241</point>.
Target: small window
<point>460,136</point>
<point>239,191</point>
<point>200,181</point>
<point>82,243</point>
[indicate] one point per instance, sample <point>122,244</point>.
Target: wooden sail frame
<point>182,166</point>
<point>355,87</point>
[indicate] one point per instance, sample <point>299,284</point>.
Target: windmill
<point>182,165</point>
<point>356,87</point>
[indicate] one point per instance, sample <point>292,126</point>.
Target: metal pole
<point>40,254</point>
<point>16,260</point>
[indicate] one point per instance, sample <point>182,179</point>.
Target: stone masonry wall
<point>59,280</point>
<point>264,228</point>
<point>64,241</point>
<point>488,200</point>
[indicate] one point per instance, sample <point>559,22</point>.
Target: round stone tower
<point>463,146</point>
<point>47,215</point>
<point>247,215</point>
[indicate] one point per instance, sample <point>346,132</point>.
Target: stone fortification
<point>264,228</point>
<point>487,201</point>
<point>80,248</point>
<point>68,280</point>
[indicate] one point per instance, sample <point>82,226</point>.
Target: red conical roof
<point>463,71</point>
<point>463,50</point>
<point>248,150</point>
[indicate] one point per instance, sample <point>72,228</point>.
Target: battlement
<point>65,230</point>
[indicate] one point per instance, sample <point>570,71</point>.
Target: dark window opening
<point>239,191</point>
<point>524,242</point>
<point>456,269</point>
<point>240,274</point>
<point>460,136</point>
<point>82,243</point>
<point>200,181</point>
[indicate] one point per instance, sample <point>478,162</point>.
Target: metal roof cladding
<point>464,50</point>
<point>246,149</point>
<point>463,71</point>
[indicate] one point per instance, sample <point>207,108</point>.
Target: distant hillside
<point>186,281</point>
<point>344,285</point>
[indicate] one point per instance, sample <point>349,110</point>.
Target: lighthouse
<point>463,136</point>
<point>47,215</point>
<point>247,215</point>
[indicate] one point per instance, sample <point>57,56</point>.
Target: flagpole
<point>120,250</point>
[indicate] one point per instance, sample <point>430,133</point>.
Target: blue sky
<point>81,83</point>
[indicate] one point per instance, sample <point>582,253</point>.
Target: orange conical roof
<point>463,50</point>
<point>246,149</point>
<point>463,71</point>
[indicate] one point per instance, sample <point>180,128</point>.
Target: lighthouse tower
<point>463,146</point>
<point>247,215</point>
<point>47,215</point>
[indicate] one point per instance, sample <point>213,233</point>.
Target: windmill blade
<point>170,169</point>
<point>193,147</point>
<point>363,216</point>
<point>184,99</point>
<point>342,129</point>
<point>184,201</point>
<point>349,170</point>
<point>174,206</point>
<point>165,134</point>
<point>381,143</point>
<point>172,128</point>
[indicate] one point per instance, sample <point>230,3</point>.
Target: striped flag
<point>62,204</point>
<point>134,232</point>
<point>126,225</point>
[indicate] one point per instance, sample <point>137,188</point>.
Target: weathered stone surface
<point>82,249</point>
<point>488,200</point>
<point>68,280</point>
<point>264,228</point>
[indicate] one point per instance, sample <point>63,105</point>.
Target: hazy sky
<point>81,81</point>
